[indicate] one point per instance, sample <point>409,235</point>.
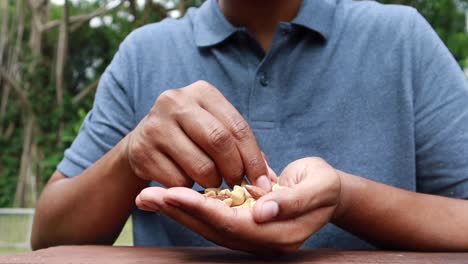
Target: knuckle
<point>170,99</point>
<point>256,162</point>
<point>241,130</point>
<point>204,85</point>
<point>316,161</point>
<point>173,104</point>
<point>219,139</point>
<point>152,131</point>
<point>203,89</point>
<point>168,96</point>
<point>236,173</point>
<point>296,205</point>
<point>205,168</point>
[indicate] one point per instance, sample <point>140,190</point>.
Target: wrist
<point>350,186</point>
<point>124,159</point>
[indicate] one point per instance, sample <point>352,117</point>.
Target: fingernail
<point>172,202</point>
<point>269,211</point>
<point>264,183</point>
<point>152,206</point>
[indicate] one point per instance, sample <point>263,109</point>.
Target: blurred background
<point>52,53</point>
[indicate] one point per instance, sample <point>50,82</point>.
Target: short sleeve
<point>110,119</point>
<point>440,92</point>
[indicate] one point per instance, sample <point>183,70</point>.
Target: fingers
<point>148,161</point>
<point>202,137</point>
<point>152,199</point>
<point>282,204</point>
<point>228,222</point>
<point>312,184</point>
<point>289,202</point>
<point>216,140</point>
<point>225,226</point>
<point>271,173</point>
<point>160,168</point>
<point>194,161</point>
<point>215,103</point>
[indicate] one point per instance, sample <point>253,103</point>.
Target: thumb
<point>297,199</point>
<point>283,204</point>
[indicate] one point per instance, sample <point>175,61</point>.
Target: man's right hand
<point>195,134</point>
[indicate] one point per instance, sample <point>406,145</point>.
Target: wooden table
<point>143,255</point>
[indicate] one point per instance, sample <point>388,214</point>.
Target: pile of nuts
<point>243,196</point>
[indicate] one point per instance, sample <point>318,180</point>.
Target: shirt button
<point>263,80</point>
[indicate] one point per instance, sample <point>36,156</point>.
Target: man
<point>368,88</point>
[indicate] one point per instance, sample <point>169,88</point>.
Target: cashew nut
<point>239,197</point>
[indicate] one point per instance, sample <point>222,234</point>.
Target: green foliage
<point>90,50</point>
<point>448,18</point>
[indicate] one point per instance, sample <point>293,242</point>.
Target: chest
<point>304,98</point>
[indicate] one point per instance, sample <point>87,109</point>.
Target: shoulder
<point>155,38</point>
<point>374,11</point>
<point>146,47</point>
<point>382,20</point>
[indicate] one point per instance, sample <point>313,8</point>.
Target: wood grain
<point>154,255</point>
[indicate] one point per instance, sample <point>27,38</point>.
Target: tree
<point>50,62</point>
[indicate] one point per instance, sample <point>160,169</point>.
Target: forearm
<point>90,208</point>
<point>396,218</point>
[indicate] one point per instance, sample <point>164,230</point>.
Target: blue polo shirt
<point>368,87</point>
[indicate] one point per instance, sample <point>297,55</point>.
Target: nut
<point>247,204</point>
<point>226,192</point>
<point>244,196</point>
<point>276,187</point>
<point>228,202</point>
<point>216,190</point>
<point>237,196</point>
<point>210,193</point>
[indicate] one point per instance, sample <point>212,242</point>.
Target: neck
<point>260,17</point>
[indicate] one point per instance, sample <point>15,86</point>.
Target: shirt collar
<point>317,15</point>
<point>211,27</point>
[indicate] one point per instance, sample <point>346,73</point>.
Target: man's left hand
<point>279,222</point>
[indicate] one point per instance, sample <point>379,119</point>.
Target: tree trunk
<point>133,9</point>
<point>40,12</point>
<point>4,34</point>
<point>24,196</point>
<point>25,188</point>
<point>4,10</point>
<point>62,49</point>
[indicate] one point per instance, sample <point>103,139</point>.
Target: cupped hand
<point>195,134</point>
<point>279,222</point>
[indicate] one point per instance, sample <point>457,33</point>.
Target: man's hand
<point>195,134</point>
<point>279,222</point>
